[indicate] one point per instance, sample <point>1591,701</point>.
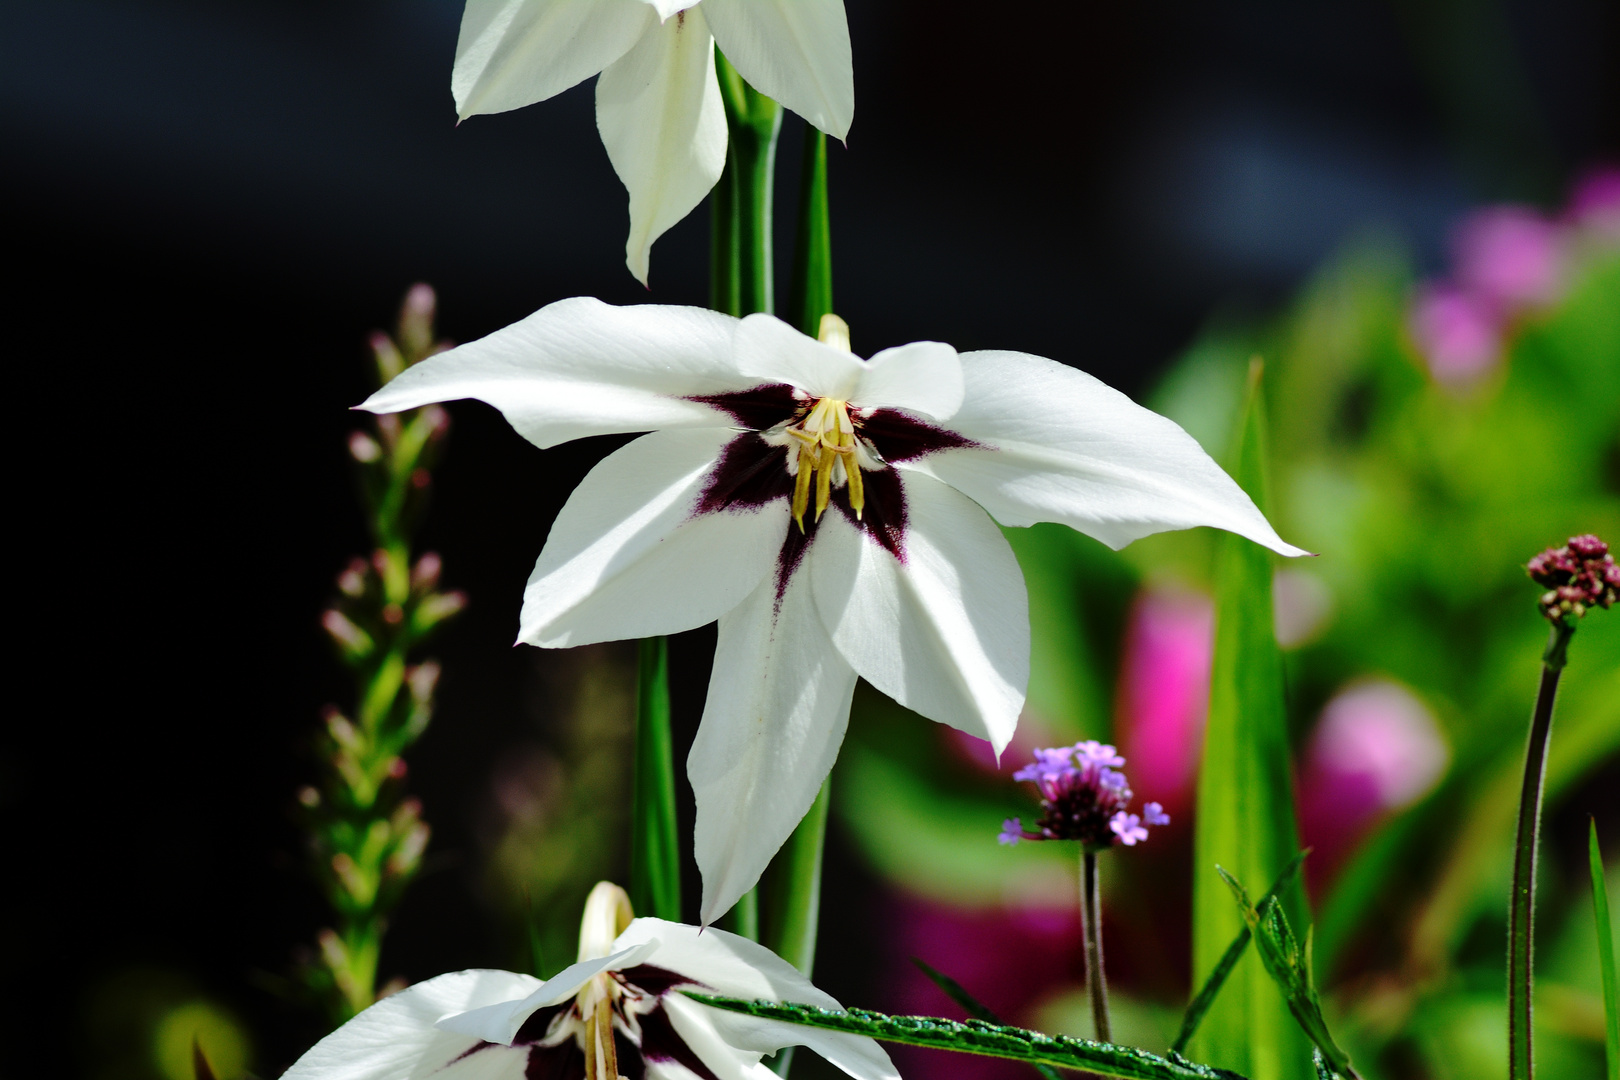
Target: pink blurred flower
<point>1459,334</point>
<point>1594,202</point>
<point>1164,690</point>
<point>1509,257</point>
<point>1376,749</point>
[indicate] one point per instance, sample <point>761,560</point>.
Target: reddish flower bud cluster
<point>1578,576</point>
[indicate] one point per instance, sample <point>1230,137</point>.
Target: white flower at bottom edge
<point>833,513</point>
<point>658,105</point>
<point>617,1012</point>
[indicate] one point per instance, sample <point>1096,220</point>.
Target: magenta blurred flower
<point>1594,203</point>
<point>1375,750</point>
<point>1164,689</point>
<point>1457,332</point>
<point>1509,257</point>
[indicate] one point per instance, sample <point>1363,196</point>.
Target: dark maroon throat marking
<point>752,473</point>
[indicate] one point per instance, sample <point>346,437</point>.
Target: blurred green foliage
<point>1424,500</point>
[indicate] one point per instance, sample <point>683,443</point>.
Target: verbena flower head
<point>1579,576</point>
<point>658,104</point>
<point>836,515</point>
<point>618,1012</point>
<point>1083,797</point>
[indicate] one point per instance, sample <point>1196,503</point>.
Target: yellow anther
<point>824,469</point>
<point>826,436</point>
<point>833,331</point>
<point>801,483</point>
<point>857,486</point>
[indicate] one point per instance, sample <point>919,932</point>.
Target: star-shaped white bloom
<point>658,103</point>
<point>833,513</point>
<point>618,1012</point>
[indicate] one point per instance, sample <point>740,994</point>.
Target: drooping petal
<point>658,110</point>
<point>796,51</point>
<point>944,632</point>
<point>694,1028</point>
<point>726,963</point>
<point>771,351</point>
<point>499,1021</point>
<point>628,556</point>
<point>857,1055</point>
<point>397,1038</point>
<point>923,377</point>
<point>580,367</point>
<point>513,53</point>
<point>1057,445</point>
<point>775,716</point>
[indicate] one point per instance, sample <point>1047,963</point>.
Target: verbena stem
<point>1091,918</point>
<point>1521,911</point>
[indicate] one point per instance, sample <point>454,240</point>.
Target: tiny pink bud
<point>309,797</point>
<point>425,574</point>
<point>363,448</point>
<point>393,614</point>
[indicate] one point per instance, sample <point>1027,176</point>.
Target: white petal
<point>946,633</point>
<point>796,51</point>
<point>396,1039</point>
<point>777,708</point>
<point>857,1055</point>
<point>658,110</point>
<point>666,8</point>
<point>512,53</point>
<point>581,367</point>
<point>770,350</point>
<point>692,1023</point>
<point>924,377</point>
<point>1057,445</point>
<point>628,557</point>
<point>499,1022</point>
<point>725,963</point>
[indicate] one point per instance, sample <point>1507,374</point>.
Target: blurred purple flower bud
<point>1511,257</point>
<point>422,679</point>
<point>1153,814</point>
<point>425,574</point>
<point>1376,749</point>
<point>438,418</point>
<point>1096,753</point>
<point>1458,334</point>
<point>363,448</point>
<point>1128,827</point>
<point>349,637</point>
<point>1012,831</point>
<point>1302,607</point>
<point>389,361</point>
<point>352,581</point>
<point>416,320</point>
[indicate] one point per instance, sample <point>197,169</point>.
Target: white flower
<point>617,1012</point>
<point>657,103</point>
<point>829,511</point>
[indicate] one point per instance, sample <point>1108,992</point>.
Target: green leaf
<point>1234,952</point>
<point>790,892</point>
<point>1245,810</point>
<point>1289,966</point>
<point>980,1037</point>
<point>1605,935</point>
<point>811,292</point>
<point>972,1006</point>
<point>655,861</point>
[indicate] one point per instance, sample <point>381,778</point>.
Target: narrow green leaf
<point>1605,935</point>
<point>1234,952</point>
<point>1289,966</point>
<point>980,1037</point>
<point>811,294</point>
<point>972,1006</point>
<point>1245,811</point>
<point>790,892</point>
<point>655,862</point>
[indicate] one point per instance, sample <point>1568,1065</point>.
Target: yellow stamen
<point>857,487</point>
<point>829,454</point>
<point>801,483</point>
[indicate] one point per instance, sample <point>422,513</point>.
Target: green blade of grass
<point>1234,952</point>
<point>1245,810</point>
<point>1605,935</point>
<point>811,295</point>
<point>979,1037</point>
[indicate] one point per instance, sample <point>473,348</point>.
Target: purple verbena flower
<point>1083,797</point>
<point>1153,814</point>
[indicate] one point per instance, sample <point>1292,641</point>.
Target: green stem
<point>1091,918</point>
<point>1605,935</point>
<point>655,867</point>
<point>791,905</point>
<point>1521,912</point>
<point>812,295</point>
<point>753,123</point>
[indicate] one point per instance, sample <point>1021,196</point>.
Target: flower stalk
<point>1091,919</point>
<point>1577,577</point>
<point>742,274</point>
<point>366,836</point>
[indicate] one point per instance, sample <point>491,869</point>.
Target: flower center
<point>827,452</point>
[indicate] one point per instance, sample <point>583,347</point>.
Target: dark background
<point>208,205</point>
